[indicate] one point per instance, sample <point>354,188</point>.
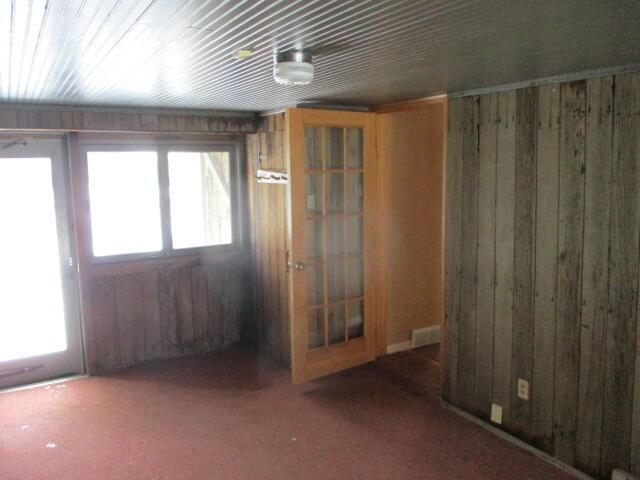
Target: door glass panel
<point>28,244</point>
<point>313,147</point>
<point>335,193</point>
<point>333,189</point>
<point>313,235</point>
<point>335,236</point>
<point>354,148</point>
<point>355,285</point>
<point>313,194</point>
<point>335,148</point>
<point>354,235</point>
<point>315,284</point>
<point>335,281</point>
<point>336,323</point>
<point>355,319</point>
<point>354,189</point>
<point>315,331</point>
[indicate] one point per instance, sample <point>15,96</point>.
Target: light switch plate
<point>496,413</point>
<point>523,389</point>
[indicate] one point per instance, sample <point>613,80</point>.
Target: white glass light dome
<point>293,68</point>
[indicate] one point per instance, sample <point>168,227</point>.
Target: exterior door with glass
<point>332,205</point>
<point>39,315</point>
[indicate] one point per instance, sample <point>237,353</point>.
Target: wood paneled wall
<point>410,157</point>
<point>39,117</point>
<point>268,214</point>
<point>542,258</point>
<point>149,310</point>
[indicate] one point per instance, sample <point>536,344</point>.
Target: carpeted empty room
<point>319,239</point>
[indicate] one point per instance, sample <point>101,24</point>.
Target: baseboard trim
<point>399,347</point>
<point>516,441</point>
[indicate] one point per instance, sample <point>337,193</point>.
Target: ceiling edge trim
<point>567,77</point>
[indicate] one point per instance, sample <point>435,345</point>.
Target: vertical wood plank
<point>167,312</point>
<point>453,247</point>
<point>215,325</point>
<point>151,303</point>
<point>486,252</point>
<point>546,271</point>
<point>505,214</point>
<point>595,272</point>
<point>570,234</point>
<point>184,309</point>
<point>623,276</point>
<point>130,313</point>
<point>469,256</point>
<point>200,297</point>
<point>524,260</point>
<point>107,342</point>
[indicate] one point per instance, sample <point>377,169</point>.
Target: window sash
<point>162,149</point>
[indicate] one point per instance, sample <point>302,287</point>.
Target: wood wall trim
<point>59,118</point>
<point>410,104</point>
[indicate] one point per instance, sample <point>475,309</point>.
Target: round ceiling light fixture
<point>293,68</point>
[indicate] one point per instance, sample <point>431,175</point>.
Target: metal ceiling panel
<point>179,53</point>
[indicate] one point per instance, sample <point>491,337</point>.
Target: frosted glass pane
<point>200,189</point>
<point>30,261</point>
<point>125,202</point>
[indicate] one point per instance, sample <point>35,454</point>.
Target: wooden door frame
<point>360,350</point>
<point>382,319</point>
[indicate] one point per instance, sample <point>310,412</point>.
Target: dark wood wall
<point>542,250</point>
<point>268,214</point>
<point>149,310</point>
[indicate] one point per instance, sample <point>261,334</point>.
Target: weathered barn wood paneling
<point>267,205</point>
<point>30,117</point>
<point>453,188</point>
<point>565,256</point>
<point>546,258</point>
<point>165,311</point>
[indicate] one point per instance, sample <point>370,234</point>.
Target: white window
<point>124,197</point>
<point>162,199</point>
<point>200,191</point>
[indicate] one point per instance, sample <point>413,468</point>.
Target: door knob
<point>299,266</point>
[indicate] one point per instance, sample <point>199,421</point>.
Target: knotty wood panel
<point>570,234</point>
<point>621,328</point>
<point>546,271</point>
<point>565,256</point>
<point>453,242</point>
<point>269,248</point>
<point>505,199</point>
<point>22,117</point>
<point>524,238</point>
<point>166,312</point>
<point>469,256</point>
<point>488,117</point>
<point>599,136</point>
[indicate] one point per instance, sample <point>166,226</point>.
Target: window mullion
<point>165,200</point>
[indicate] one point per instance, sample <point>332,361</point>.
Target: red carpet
<point>234,415</point>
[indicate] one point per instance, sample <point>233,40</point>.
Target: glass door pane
<point>29,237</point>
<point>333,193</point>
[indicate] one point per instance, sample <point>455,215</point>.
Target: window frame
<point>162,147</point>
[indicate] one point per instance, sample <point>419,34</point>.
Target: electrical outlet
<point>523,389</point>
<point>496,413</point>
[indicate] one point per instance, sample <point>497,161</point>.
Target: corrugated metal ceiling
<point>178,53</point>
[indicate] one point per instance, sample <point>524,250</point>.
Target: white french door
<point>40,335</point>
